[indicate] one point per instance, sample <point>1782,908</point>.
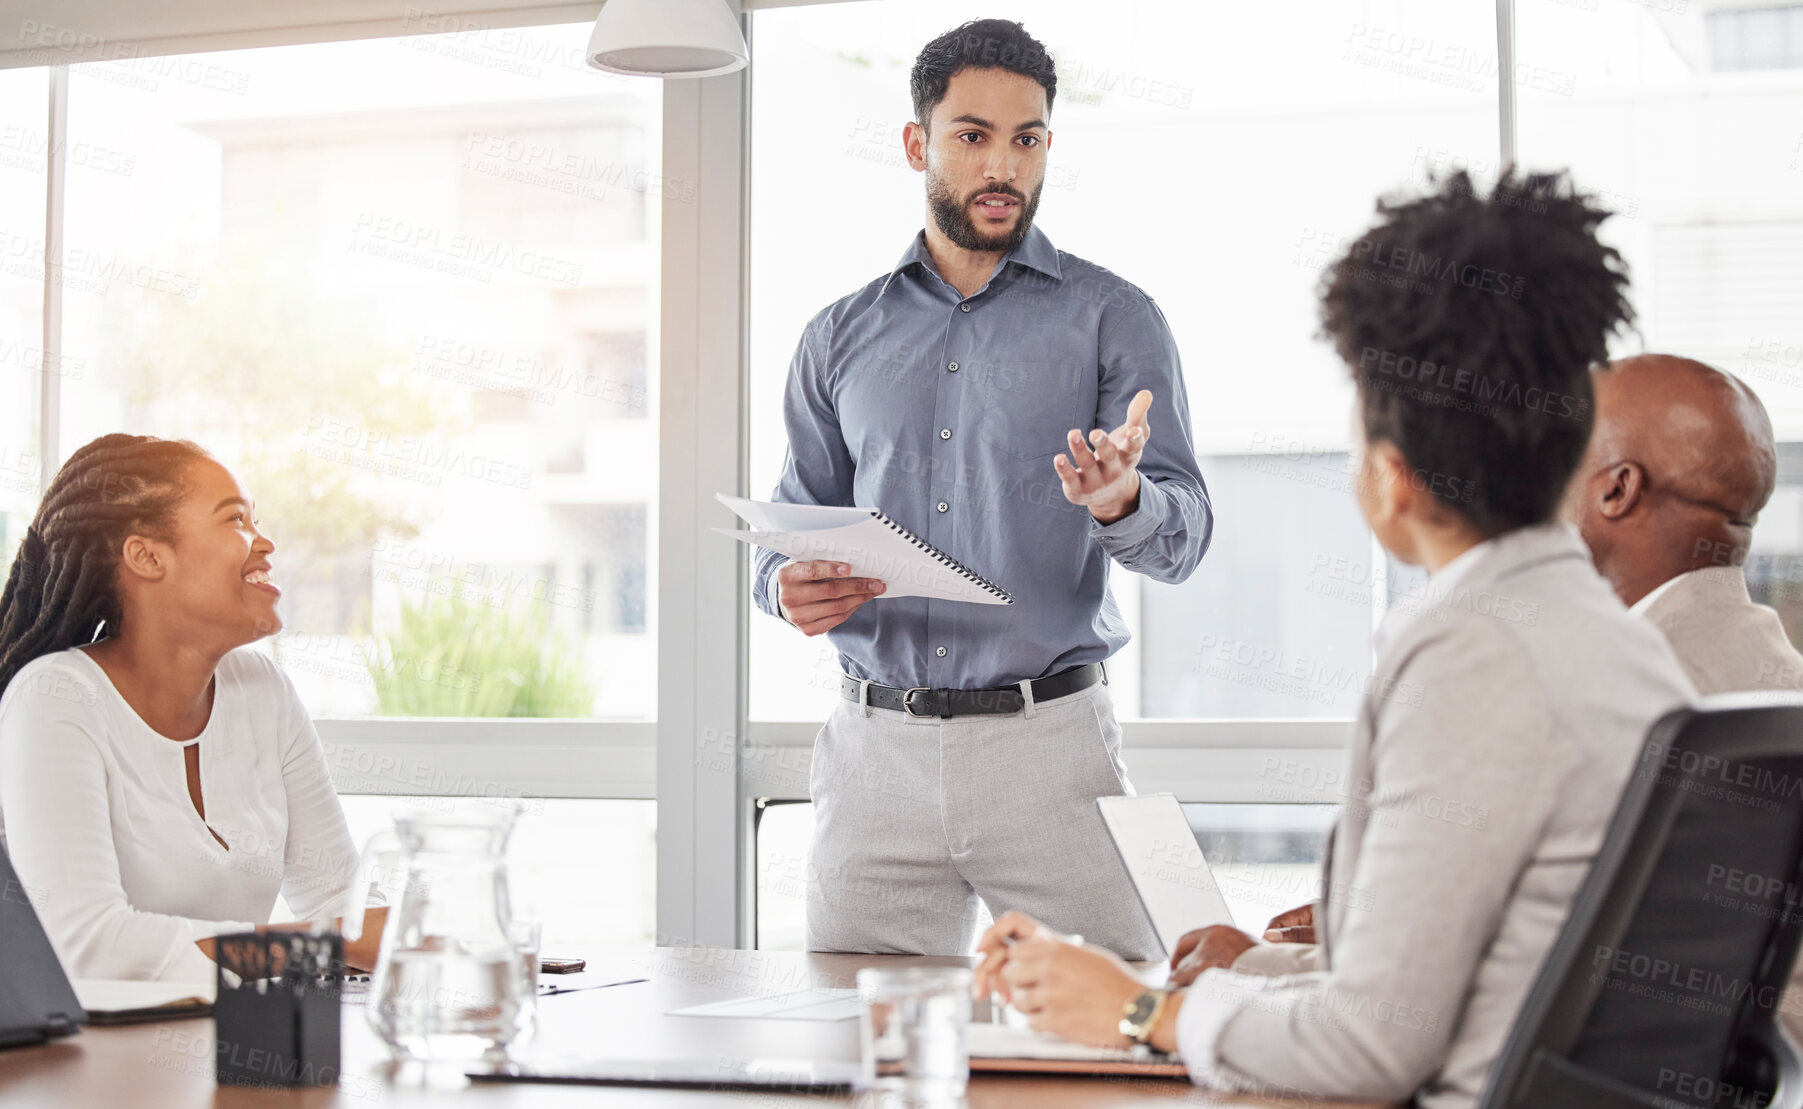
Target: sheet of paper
<point>1000,1041</point>
<point>778,516</point>
<point>107,995</point>
<point>823,1005</point>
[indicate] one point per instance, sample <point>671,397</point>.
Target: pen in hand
<point>986,979</point>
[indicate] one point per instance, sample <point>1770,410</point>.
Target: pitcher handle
<point>356,898</point>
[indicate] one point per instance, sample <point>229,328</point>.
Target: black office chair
<point>1663,988</point>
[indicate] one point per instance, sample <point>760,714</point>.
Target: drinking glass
<point>912,1031</point>
<point>526,936</point>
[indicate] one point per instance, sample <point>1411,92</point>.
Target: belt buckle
<point>908,701</point>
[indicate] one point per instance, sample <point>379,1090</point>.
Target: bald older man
<point>1679,466</point>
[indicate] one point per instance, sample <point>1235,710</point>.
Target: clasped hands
<point>1079,993</point>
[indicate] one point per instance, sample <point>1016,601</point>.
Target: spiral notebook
<point>866,539</point>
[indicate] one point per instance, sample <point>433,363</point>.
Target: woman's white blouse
<point>125,874</point>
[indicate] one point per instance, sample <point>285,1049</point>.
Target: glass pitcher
<point>447,983</point>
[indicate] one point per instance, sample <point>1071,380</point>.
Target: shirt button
<point>952,366</point>
<point>940,652</point>
<point>963,307</point>
<point>945,433</point>
<point>943,506</point>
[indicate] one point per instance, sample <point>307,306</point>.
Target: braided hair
<point>63,587</point>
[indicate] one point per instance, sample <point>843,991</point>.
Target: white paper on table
<point>867,540</point>
<point>823,1005</point>
<point>110,995</point>
<point>1001,1041</point>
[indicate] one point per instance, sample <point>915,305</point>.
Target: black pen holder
<point>276,1016</point>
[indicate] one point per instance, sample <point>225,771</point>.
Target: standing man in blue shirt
<point>955,393</point>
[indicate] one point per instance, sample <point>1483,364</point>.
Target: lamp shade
<point>667,38</point>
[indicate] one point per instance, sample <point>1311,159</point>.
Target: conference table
<point>168,1064</point>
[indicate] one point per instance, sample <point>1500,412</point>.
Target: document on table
<point>822,1005</point>
<point>1002,1047</point>
<point>867,540</point>
<point>119,1001</point>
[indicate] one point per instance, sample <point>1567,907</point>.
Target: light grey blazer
<point>1498,732</point>
<point>1725,642</point>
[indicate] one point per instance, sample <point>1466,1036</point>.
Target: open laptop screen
<point>1162,857</point>
<point>36,1000</point>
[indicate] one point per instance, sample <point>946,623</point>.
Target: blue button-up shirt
<point>945,412</point>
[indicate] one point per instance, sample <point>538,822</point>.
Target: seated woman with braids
<point>159,780</point>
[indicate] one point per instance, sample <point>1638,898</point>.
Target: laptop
<point>36,1001</point>
<point>1175,885</point>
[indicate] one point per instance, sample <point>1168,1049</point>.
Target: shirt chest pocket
<point>1026,409</point>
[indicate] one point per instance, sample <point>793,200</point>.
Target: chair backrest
<point>1664,986</point>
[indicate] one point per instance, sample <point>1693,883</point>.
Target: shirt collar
<point>1035,252</point>
<point>1441,581</point>
<point>1438,587</point>
<point>1639,607</point>
<point>1728,582</point>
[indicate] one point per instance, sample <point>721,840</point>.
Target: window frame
<point>702,760</point>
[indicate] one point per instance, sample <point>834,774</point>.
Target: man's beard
<point>954,219</point>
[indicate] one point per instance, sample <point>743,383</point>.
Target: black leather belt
<point>947,703</point>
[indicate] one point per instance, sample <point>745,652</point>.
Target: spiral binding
<point>944,559</point>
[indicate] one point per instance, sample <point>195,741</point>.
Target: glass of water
<point>526,936</point>
<point>912,1031</point>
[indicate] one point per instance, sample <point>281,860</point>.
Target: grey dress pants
<point>916,818</point>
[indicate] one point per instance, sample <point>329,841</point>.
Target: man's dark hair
<point>1470,324</point>
<point>979,44</point>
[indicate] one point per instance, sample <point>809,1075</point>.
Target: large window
<point>24,162</point>
<point>407,289</point>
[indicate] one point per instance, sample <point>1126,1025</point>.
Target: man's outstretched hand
<point>1103,473</point>
<point>819,596</point>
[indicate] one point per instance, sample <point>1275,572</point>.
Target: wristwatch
<point>1140,1015</point>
